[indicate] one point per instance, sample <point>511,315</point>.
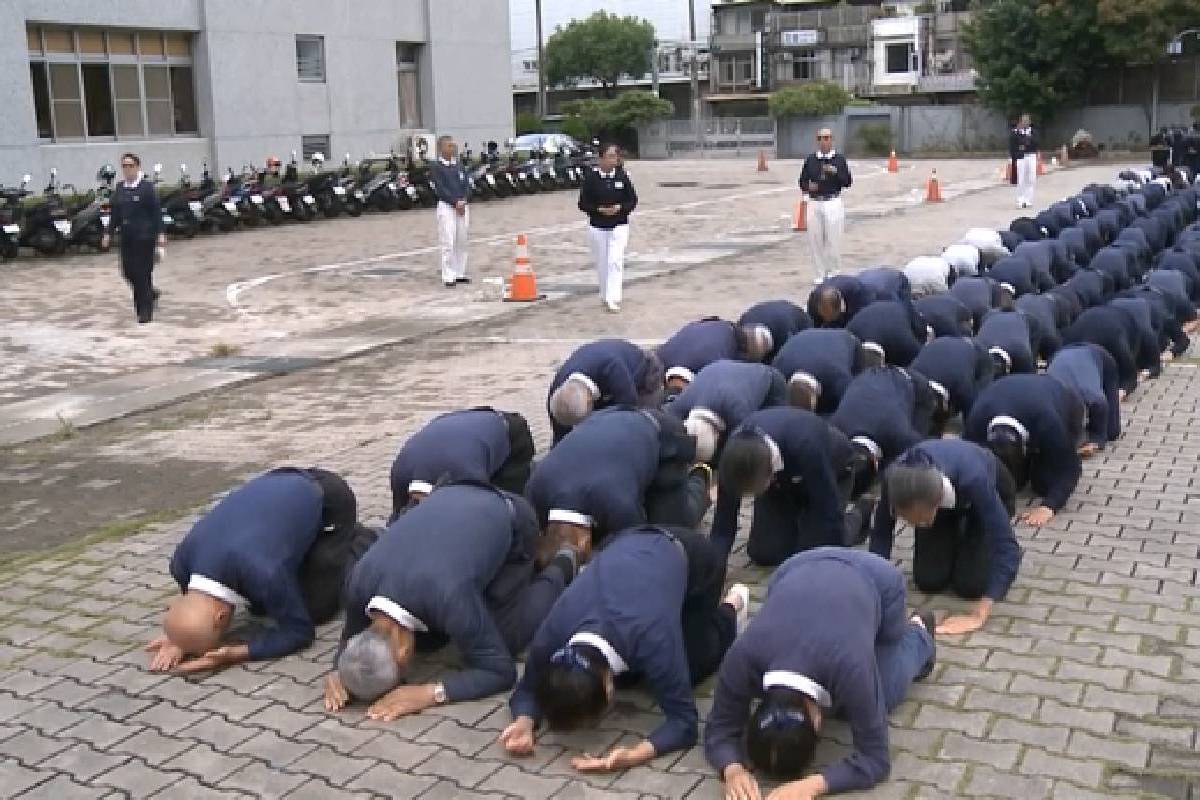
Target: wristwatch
<point>439,694</point>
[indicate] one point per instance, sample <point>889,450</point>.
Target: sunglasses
<point>128,164</point>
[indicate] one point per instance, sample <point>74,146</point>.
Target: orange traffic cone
<point>800,217</point>
<point>762,160</point>
<point>933,191</point>
<point>893,164</point>
<point>1041,168</point>
<point>522,286</point>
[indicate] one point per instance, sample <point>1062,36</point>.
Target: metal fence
<point>734,136</point>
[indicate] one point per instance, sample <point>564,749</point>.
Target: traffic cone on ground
<point>522,285</point>
<point>933,190</point>
<point>1041,167</point>
<point>1006,172</point>
<point>800,217</point>
<point>893,164</point>
<point>762,160</point>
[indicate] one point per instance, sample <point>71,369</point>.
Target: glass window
<point>160,117</point>
<point>91,42</point>
<point>127,98</point>
<point>41,99</point>
<point>150,43</point>
<point>899,57</point>
<point>66,100</point>
<point>120,43</point>
<point>314,143</point>
<point>310,58</point>
<point>34,37</point>
<point>408,84</point>
<point>179,45</point>
<point>59,40</point>
<point>183,101</point>
<point>97,93</point>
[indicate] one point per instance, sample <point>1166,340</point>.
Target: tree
<point>813,99</point>
<point>1036,56</point>
<point>604,48</point>
<point>615,118</point>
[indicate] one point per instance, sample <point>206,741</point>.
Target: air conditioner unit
<point>421,146</point>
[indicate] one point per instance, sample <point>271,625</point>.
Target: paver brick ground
<point>1083,684</point>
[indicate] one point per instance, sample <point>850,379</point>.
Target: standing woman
<point>1023,150</point>
<point>608,198</point>
<point>137,217</point>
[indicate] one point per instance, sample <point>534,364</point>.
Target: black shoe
<point>567,561</point>
<point>154,301</point>
<point>930,623</point>
<point>144,318</point>
<point>462,280</point>
<point>449,284</point>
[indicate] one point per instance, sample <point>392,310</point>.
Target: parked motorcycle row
<point>61,219</point>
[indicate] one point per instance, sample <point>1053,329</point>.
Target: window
<point>310,59</point>
<point>97,83</point>
<point>900,58</point>
<point>408,84</point>
<point>314,143</point>
<point>804,65</point>
<point>529,66</point>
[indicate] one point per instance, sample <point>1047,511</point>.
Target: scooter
<point>354,199</point>
<point>11,217</point>
<point>325,188</point>
<point>89,225</point>
<point>47,223</point>
<point>218,211</point>
<point>304,205</point>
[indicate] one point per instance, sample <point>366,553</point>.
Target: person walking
<point>137,218</point>
<point>608,198</point>
<point>1022,149</point>
<point>824,175</point>
<point>453,189</point>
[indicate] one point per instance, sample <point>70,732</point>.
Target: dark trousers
<point>709,625</point>
<point>514,472</point>
<point>677,499</point>
<point>327,566</point>
<point>782,527</point>
<point>952,553</point>
<point>137,265</point>
<point>520,596</point>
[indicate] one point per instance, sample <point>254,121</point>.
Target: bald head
<point>195,621</point>
<point>825,140</point>
<point>572,401</point>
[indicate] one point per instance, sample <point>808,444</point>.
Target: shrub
<point>528,122</point>
<point>574,126</point>
<point>876,138</point>
<point>814,99</point>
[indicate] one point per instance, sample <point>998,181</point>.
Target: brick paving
<point>1082,685</point>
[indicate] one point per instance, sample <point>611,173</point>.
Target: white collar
<point>1011,422</point>
<point>569,517</point>
<point>875,347</point>
<point>867,442</point>
<point>586,381</point>
<point>452,162</point>
<point>607,175</point>
<point>398,614</point>
<point>141,176</point>
<point>615,662</point>
<point>1000,351</point>
<point>826,156</point>
<point>941,390</point>
<point>708,416</point>
<point>212,588</point>
<point>949,498</point>
<point>800,683</point>
<point>420,487</point>
<point>776,456</point>
<point>807,379</point>
<point>681,372</point>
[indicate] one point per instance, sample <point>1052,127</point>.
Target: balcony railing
<point>733,41</point>
<point>951,82</point>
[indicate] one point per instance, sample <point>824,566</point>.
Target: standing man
<point>137,217</point>
<point>453,189</point>
<point>823,177</point>
<point>1022,149</point>
<point>608,198</point>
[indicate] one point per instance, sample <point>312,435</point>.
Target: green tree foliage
<point>613,117</point>
<point>604,48</point>
<point>813,99</point>
<point>1137,31</point>
<point>527,122</point>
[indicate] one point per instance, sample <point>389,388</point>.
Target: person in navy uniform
<point>1147,340</point>
<point>600,374</point>
<point>459,567</point>
<point>1013,339</point>
<point>1046,310</point>
<point>137,219</point>
<point>608,198</point>
<point>1034,425</point>
<point>798,469</point>
<point>834,302</point>
<point>698,344</point>
<point>1091,372</point>
<point>832,637</point>
<point>1114,329</point>
<point>476,444</point>
<point>981,295</point>
<point>648,606</point>
<point>822,178</point>
<point>452,186</point>
<point>946,314</point>
<point>782,319</point>
<point>960,368</point>
<point>960,501</point>
<point>818,364</point>
<point>1023,150</point>
<point>723,394</point>
<point>280,544</point>
<point>1017,272</point>
<point>893,330</point>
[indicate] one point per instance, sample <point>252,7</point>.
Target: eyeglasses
<point>824,137</point>
<point>128,164</point>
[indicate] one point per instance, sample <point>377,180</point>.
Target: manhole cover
<point>679,184</point>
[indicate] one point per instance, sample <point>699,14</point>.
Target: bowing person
<point>608,372</point>
<point>946,315</point>
<point>834,302</point>
<point>892,329</point>
<point>959,367</point>
<point>698,344</point>
<point>1091,372</point>
<point>1013,339</point>
<point>818,364</point>
<point>782,319</point>
<point>981,295</point>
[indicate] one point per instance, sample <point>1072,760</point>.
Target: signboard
<point>806,38</point>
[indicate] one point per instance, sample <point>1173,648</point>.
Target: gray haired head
<point>571,402</point>
<point>914,486</point>
<point>367,667</point>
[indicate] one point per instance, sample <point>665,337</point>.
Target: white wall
<point>895,30</point>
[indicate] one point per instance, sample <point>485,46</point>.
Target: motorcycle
<point>501,181</point>
<point>218,212</point>
<point>89,224</point>
<point>246,196</point>
<point>181,208</point>
<point>325,188</point>
<point>47,223</point>
<point>277,203</point>
<point>11,217</point>
<point>303,203</point>
<point>354,198</point>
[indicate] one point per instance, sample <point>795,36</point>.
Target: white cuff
<point>399,614</point>
<point>569,517</point>
<point>420,487</point>
<point>800,683</point>
<point>1010,422</point>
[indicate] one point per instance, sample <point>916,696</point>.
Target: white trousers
<point>1026,178</point>
<point>452,236</point>
<point>608,256</point>
<point>826,220</point>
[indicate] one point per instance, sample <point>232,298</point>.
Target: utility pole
<point>541,102</point>
<point>695,75</point>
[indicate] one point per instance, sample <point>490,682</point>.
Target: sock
<point>566,560</point>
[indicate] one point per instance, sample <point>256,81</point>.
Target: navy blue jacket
<point>631,595</point>
<point>623,372</point>
<point>468,445</point>
<point>1077,246</point>
<point>782,318</point>
<point>600,189</point>
<point>979,294</point>
<point>700,343</point>
<point>1018,273</point>
<point>855,294</point>
<point>1094,288</point>
<point>830,355</point>
<point>972,471</point>
<point>450,182</point>
<point>1091,372</point>
<point>733,390</point>
<point>1165,320</point>
<point>1041,256</point>
<point>961,365</point>
<point>436,562</point>
<point>946,314</point>
<point>602,469</point>
<point>1013,332</point>
<point>1113,329</point>
<point>889,283</point>
<point>828,184</point>
<point>1116,263</point>
<point>1181,260</point>
<point>1174,286</point>
<point>1045,309</point>
<point>1053,415</point>
<point>1147,348</point>
<point>136,212</point>
<point>821,619</point>
<point>253,542</point>
<point>881,404</point>
<point>895,326</point>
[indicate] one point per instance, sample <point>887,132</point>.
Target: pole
<point>695,75</point>
<point>541,102</point>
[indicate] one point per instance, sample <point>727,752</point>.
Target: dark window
<point>98,100</point>
<point>900,57</point>
<point>41,99</point>
<point>314,143</point>
<point>408,83</point>
<point>183,100</point>
<point>310,58</point>
<point>66,101</point>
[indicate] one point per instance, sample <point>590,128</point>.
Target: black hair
<point>745,462</point>
<point>339,506</point>
<point>781,736</point>
<point>826,294</point>
<point>999,364</point>
<point>570,690</point>
<point>606,146</point>
<point>132,157</point>
<point>1010,449</point>
<point>863,468</point>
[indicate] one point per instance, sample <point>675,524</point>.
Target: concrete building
<point>230,82</point>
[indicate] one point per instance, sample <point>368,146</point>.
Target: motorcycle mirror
<point>183,167</point>
<point>26,178</point>
<point>54,172</point>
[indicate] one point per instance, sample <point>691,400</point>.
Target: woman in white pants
<point>1023,150</point>
<point>607,197</point>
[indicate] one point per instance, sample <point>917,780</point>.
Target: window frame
<point>319,40</point>
<point>910,53</point>
<point>405,68</point>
